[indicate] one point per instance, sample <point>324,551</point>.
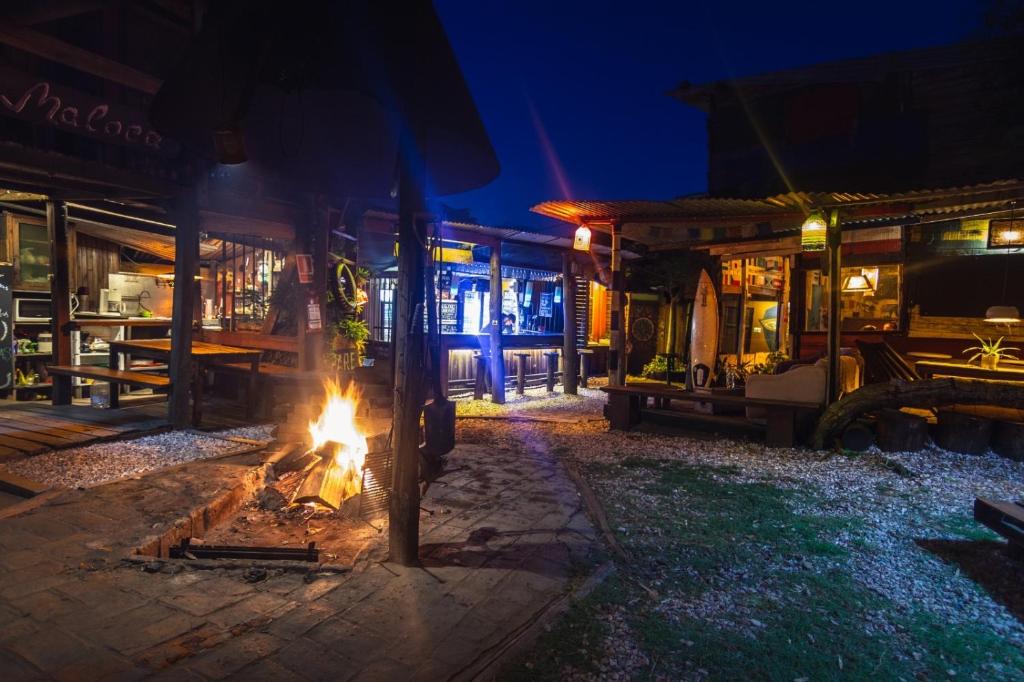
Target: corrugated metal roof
<point>702,219</point>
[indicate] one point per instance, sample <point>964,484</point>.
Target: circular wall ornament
<point>643,329</point>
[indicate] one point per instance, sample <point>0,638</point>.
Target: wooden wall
<point>94,260</point>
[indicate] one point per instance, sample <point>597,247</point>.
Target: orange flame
<point>336,427</point>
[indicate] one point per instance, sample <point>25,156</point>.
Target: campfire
<point>336,473</point>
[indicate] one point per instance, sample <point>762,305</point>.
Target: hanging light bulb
<point>1005,314</point>
<point>812,232</point>
<point>582,240</point>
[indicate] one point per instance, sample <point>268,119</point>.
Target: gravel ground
<point>537,401</point>
<point>100,463</point>
<point>896,499</point>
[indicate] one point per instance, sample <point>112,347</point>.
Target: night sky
<point>591,77</point>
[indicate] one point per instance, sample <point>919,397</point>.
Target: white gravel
<point>897,498</point>
<point>100,463</point>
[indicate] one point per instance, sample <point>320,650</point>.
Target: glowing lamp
<point>812,232</point>
<point>1002,314</point>
<point>856,283</point>
<point>582,240</point>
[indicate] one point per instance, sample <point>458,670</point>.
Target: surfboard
<point>704,334</point>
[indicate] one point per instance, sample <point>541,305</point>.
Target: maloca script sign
<point>39,100</point>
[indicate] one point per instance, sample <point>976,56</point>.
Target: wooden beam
<point>46,46</point>
<point>60,291</point>
<point>617,349</point>
<point>410,377</point>
<point>225,224</point>
<point>834,239</point>
<point>570,355</point>
<point>186,263</point>
<point>497,356</point>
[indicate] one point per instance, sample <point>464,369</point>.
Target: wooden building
<point>919,155</point>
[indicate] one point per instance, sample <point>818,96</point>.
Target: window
<point>870,299</point>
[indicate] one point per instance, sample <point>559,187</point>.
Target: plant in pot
<point>990,352</point>
<point>736,373</point>
<point>350,341</point>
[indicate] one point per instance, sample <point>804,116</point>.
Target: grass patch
<point>965,527</point>
<point>698,532</point>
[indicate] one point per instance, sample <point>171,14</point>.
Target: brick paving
<point>502,537</point>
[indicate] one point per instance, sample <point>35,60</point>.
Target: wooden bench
<point>1005,518</point>
<point>62,375</point>
<point>786,422</point>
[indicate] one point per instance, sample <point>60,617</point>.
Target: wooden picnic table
<point>204,354</point>
<point>966,370</point>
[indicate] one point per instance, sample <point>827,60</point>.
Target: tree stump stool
<point>901,432</point>
<point>552,357</point>
<point>480,385</point>
<point>964,433</point>
<point>521,372</point>
<point>1008,440</point>
<point>858,437</point>
<point>585,355</point>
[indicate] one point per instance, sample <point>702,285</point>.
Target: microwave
<point>32,310</point>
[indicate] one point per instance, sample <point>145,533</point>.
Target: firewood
<point>924,393</point>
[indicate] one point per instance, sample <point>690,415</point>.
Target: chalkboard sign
<point>545,305</point>
<point>6,328</point>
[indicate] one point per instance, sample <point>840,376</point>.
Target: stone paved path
<point>505,539</point>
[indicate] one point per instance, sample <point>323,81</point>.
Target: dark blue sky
<point>593,74</point>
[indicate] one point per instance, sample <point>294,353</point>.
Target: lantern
<point>812,232</point>
<point>582,240</point>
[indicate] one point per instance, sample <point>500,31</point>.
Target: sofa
<point>801,383</point>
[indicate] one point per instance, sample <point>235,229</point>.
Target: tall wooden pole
<point>410,375</point>
<point>60,291</point>
<point>186,262</point>
<point>617,351</point>
<point>569,351</point>
<point>834,243</point>
<point>497,359</point>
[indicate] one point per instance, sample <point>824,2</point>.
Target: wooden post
<point>319,231</point>
<point>834,239</point>
<point>741,322</point>
<point>521,373</point>
<point>410,377</point>
<point>552,369</point>
<point>60,292</point>
<point>186,261</point>
<point>497,359</point>
<point>617,349</point>
<point>569,355</point>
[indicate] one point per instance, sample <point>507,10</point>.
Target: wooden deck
<point>31,428</point>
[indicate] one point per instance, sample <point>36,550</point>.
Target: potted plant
<point>350,342</point>
<point>990,352</point>
<point>657,368</point>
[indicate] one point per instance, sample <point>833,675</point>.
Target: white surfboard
<point>704,334</point>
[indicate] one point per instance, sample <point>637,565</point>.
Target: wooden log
<point>964,433</point>
<point>927,393</point>
<point>552,368</point>
<point>410,377</point>
<point>328,484</point>
<point>1008,440</point>
<point>901,432</point>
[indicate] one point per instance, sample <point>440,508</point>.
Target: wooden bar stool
<point>480,385</point>
<point>521,372</point>
<point>552,357</point>
<point>585,354</point>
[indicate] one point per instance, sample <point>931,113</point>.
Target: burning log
<point>331,480</point>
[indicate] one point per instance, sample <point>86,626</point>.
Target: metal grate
<point>376,482</point>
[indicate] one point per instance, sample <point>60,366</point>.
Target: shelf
<point>34,387</point>
<point>32,355</point>
<point>22,324</point>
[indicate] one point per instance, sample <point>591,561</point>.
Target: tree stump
<point>964,433</point>
<point>1008,440</point>
<point>858,437</point>
<point>901,432</point>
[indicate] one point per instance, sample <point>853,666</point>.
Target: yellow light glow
<point>582,240</point>
<point>812,232</point>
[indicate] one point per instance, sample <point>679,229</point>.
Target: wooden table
<point>1005,372</point>
<point>204,354</point>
